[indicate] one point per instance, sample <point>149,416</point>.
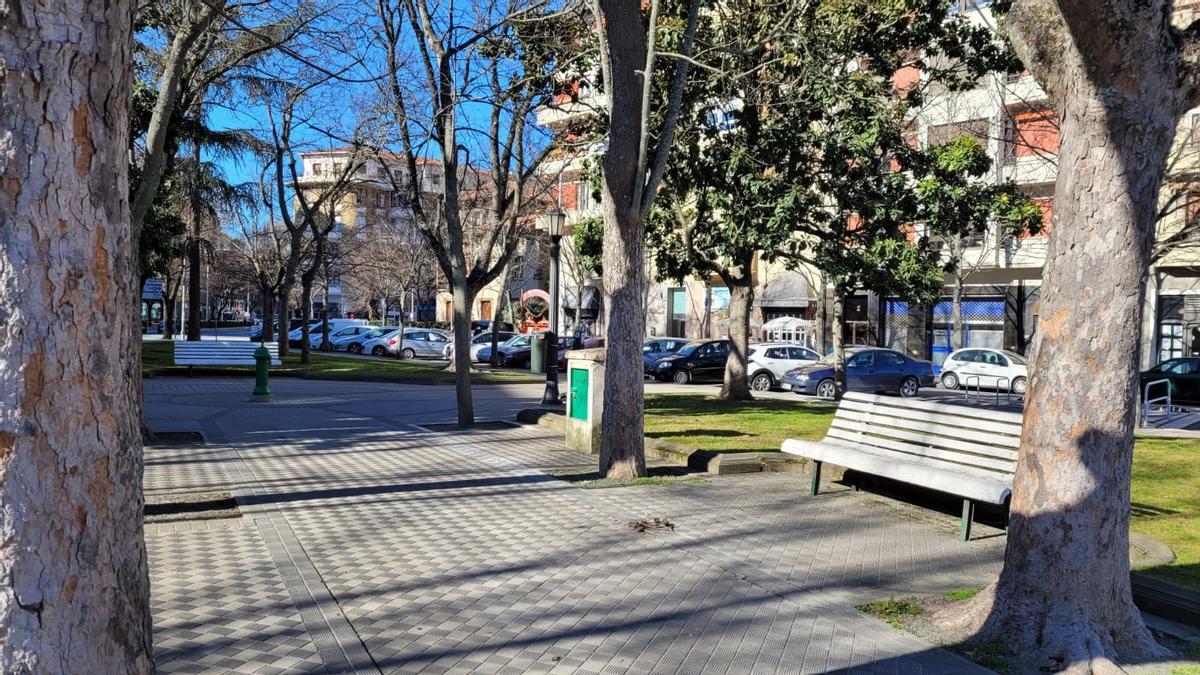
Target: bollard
<point>262,363</point>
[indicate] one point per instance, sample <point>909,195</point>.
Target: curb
<point>715,463</point>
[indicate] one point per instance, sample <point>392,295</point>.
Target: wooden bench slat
<point>940,418</point>
<point>934,406</point>
<point>968,452</point>
<point>221,353</point>
<point>940,430</point>
<point>858,433</point>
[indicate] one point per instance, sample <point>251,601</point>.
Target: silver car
<point>380,345</point>
<point>336,334</point>
<point>478,342</point>
<point>419,342</point>
<point>354,343</point>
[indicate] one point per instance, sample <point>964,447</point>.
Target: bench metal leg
<point>968,515</point>
<point>816,477</point>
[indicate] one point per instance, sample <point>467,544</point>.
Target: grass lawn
<point>702,422</point>
<point>157,360</point>
<point>1166,503</point>
<point>1166,472</point>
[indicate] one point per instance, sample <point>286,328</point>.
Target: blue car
<point>870,369</point>
<point>656,348</point>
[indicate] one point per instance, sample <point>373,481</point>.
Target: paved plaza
<point>369,543</point>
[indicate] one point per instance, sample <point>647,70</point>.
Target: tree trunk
<point>838,329</point>
<point>285,293</point>
<point>168,318</point>
<point>494,360</point>
<point>325,315</point>
<point>461,316</point>
<point>822,317</point>
<point>194,264</point>
<point>1063,596</point>
<point>74,590</point>
<point>306,312</point>
<point>268,314</point>
<point>622,452</point>
<point>737,383</point>
<point>956,314</point>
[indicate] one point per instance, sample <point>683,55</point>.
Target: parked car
<point>769,362</point>
<point>422,342</point>
<point>587,343</point>
<point>478,342</point>
<point>354,344</point>
<point>515,342</point>
<point>695,361</point>
<point>1183,374</point>
<point>335,334</point>
<point>995,368</point>
<point>297,334</point>
<point>871,369</point>
<point>656,348</point>
<point>378,345</point>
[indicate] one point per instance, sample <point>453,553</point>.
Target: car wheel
<point>682,377</point>
<point>354,348</point>
<point>826,389</point>
<point>379,351</point>
<point>408,353</point>
<point>909,387</point>
<point>761,382</point>
<point>950,380</point>
<point>326,347</point>
<point>1019,386</point>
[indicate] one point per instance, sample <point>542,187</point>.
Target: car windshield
<point>828,358</point>
<point>1016,358</point>
<point>690,348</point>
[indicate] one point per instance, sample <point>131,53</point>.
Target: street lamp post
<point>555,224</point>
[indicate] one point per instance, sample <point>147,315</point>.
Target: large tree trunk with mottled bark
<point>1063,597</point>
<point>838,331</point>
<point>741,299</point>
<point>74,589</point>
<point>622,453</point>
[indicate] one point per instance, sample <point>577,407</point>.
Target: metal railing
<point>1148,402</point>
<point>1002,386</point>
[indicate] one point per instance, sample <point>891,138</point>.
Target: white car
<point>379,345</point>
<point>770,361</point>
<point>478,342</point>
<point>336,333</point>
<point>989,368</point>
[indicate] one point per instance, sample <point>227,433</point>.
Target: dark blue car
<point>656,348</point>
<point>870,369</point>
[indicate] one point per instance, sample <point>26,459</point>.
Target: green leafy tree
<point>786,153</point>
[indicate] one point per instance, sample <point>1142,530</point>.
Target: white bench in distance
<point>220,353</point>
<point>963,451</point>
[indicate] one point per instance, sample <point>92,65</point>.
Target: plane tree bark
<point>74,588</point>
<point>1119,76</point>
<point>631,180</point>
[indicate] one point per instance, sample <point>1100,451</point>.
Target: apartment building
<point>371,203</point>
<point>1001,276</point>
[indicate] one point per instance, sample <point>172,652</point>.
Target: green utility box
<point>585,399</point>
<point>537,354</point>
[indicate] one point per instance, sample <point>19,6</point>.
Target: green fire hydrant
<point>262,363</point>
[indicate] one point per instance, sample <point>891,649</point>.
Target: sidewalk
<point>368,544</point>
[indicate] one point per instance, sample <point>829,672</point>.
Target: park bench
<point>966,452</point>
<point>220,353</point>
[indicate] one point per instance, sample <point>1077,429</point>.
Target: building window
<point>316,168</point>
<point>337,167</point>
<point>943,133</point>
<point>1031,132</point>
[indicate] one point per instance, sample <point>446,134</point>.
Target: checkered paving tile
<point>220,606</point>
<point>454,552</point>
